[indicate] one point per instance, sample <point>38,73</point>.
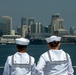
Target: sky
<point>42,10</point>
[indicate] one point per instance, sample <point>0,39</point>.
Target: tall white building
<point>56,23</point>
<point>23,22</point>
<point>36,28</point>
<point>5,25</point>
<point>40,28</point>
<point>24,30</point>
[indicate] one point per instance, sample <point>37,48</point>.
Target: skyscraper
<point>24,30</point>
<point>31,20</point>
<point>36,28</point>
<point>56,23</point>
<point>40,28</point>
<point>19,30</point>
<point>5,25</point>
<point>23,26</point>
<point>32,28</point>
<point>23,21</point>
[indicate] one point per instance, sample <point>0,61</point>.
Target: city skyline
<point>41,10</point>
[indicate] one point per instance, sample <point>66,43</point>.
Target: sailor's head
<point>22,43</point>
<point>53,41</point>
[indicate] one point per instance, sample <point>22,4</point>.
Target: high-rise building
<point>31,20</point>
<point>40,28</point>
<point>36,28</point>
<point>31,23</point>
<point>32,28</point>
<point>23,25</point>
<point>73,31</point>
<point>19,30</point>
<point>5,25</point>
<point>24,30</point>
<point>23,21</point>
<point>49,28</point>
<point>56,23</point>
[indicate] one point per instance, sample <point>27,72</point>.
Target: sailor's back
<point>20,63</point>
<point>55,61</point>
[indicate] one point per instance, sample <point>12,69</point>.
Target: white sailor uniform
<point>55,62</point>
<point>19,64</point>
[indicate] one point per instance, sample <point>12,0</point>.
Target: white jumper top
<point>55,62</point>
<point>19,64</point>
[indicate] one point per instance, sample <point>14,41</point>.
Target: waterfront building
<point>5,25</point>
<point>23,21</point>
<point>73,31</point>
<point>31,21</point>
<point>32,28</point>
<point>9,38</point>
<point>36,28</point>
<point>49,29</point>
<point>45,29</point>
<point>69,38</point>
<point>56,23</point>
<point>39,28</point>
<point>19,30</point>
<point>61,32</point>
<point>41,36</point>
<point>24,30</point>
<point>13,32</point>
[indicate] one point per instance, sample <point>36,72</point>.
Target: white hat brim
<point>22,41</point>
<point>53,38</point>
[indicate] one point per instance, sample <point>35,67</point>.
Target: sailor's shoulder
<point>32,58</point>
<point>9,57</point>
<point>45,55</point>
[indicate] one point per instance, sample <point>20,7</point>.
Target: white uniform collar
<point>58,55</point>
<point>21,58</point>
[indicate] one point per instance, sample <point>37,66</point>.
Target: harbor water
<point>35,51</point>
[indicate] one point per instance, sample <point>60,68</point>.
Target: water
<point>35,51</point>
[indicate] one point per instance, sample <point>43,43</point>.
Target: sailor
<point>21,63</point>
<point>55,61</point>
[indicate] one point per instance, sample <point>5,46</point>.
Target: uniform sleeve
<point>70,68</point>
<point>6,68</point>
<point>33,66</point>
<point>40,65</point>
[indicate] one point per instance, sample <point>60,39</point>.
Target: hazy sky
<point>42,10</point>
